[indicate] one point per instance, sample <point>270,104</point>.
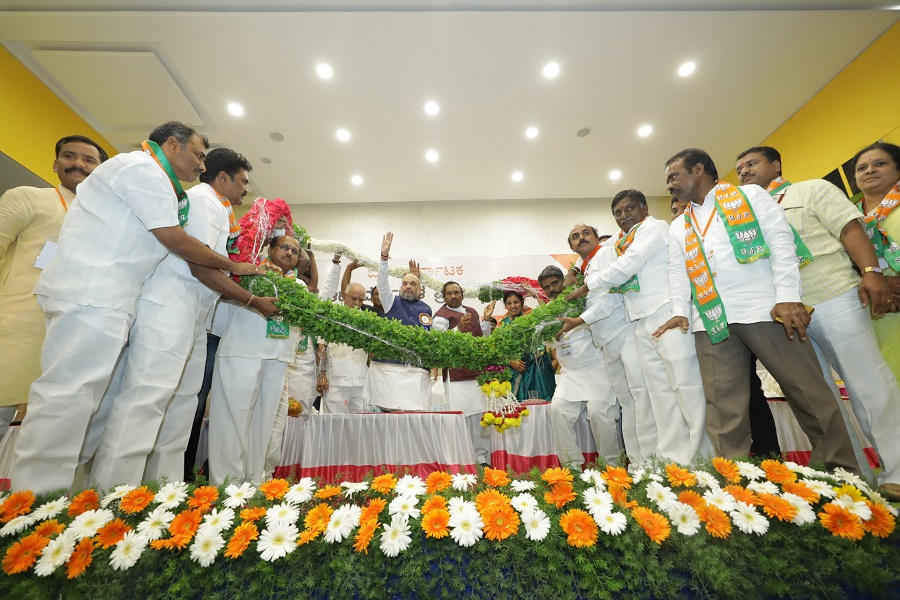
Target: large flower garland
<point>181,540</point>
<point>389,339</point>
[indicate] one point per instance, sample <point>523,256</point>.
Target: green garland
<point>391,340</point>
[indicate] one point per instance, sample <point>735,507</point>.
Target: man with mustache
<point>129,214</point>
<point>30,219</point>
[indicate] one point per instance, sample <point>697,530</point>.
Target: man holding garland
<point>732,252</point>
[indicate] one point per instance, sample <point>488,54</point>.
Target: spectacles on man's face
<point>291,249</point>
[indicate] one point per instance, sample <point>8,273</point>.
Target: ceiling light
<point>432,108</point>
<point>583,132</point>
<point>531,133</point>
<point>342,134</point>
<point>645,130</point>
<point>551,70</point>
<point>235,109</point>
<point>432,156</point>
<point>324,70</point>
<point>686,69</point>
<point>277,136</point>
<point>266,161</point>
<point>517,176</point>
<point>615,175</point>
<point>356,180</point>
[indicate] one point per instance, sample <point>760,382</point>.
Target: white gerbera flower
<point>748,520</point>
<point>801,469</point>
<point>405,506</point>
<point>820,487</point>
<point>238,495</point>
<point>685,518</point>
<point>351,488</point>
<point>302,491</point>
<point>720,499</point>
<point>593,477</point>
<point>610,522</point>
<point>48,510</point>
<point>455,504</point>
<point>277,540</point>
<point>219,521</point>
<point>206,546</point>
<point>662,495</point>
<point>463,481</point>
<point>848,477</point>
<point>805,514</point>
<point>156,522</point>
<point>536,524</point>
<point>858,508</point>
<point>597,500</point>
<point>87,523</point>
<point>524,502</point>
<point>520,485</point>
<point>466,526</point>
<point>17,525</point>
<point>283,512</point>
<point>410,485</point>
<point>55,554</point>
<point>749,470</point>
<point>396,536</point>
<point>171,495</point>
<point>116,494</point>
<point>706,480</point>
<point>342,522</point>
<point>654,476</point>
<point>877,498</point>
<point>636,475</point>
<point>127,551</point>
<point>763,487</point>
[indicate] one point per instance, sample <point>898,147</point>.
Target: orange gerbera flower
<point>617,475</point>
<point>717,522</point>
<point>317,518</point>
<point>679,476</point>
<point>383,484</point>
<point>16,505</point>
<point>308,535</point>
<point>372,509</point>
<point>742,494</point>
<point>556,475</point>
<point>500,521</point>
<point>777,507</point>
<point>49,528</point>
<point>435,522</point>
<point>489,498</point>
<point>691,498</point>
<point>727,469</point>
<point>250,515</point>
<point>21,555</point>
<point>81,558</point>
<point>176,542</point>
<point>204,498</point>
<point>641,514</point>
<point>882,522</point>
<point>364,536</point>
<point>560,494</point>
<point>136,500</point>
<point>620,496</point>
<point>800,489</point>
<point>580,527</point>
<point>328,491</point>
<point>495,477</point>
<point>111,533</point>
<point>83,502</point>
<point>434,503</point>
<point>274,489</point>
<point>185,523</point>
<point>240,540</point>
<point>841,522</point>
<point>437,481</point>
<point>777,471</point>
<point>655,525</point>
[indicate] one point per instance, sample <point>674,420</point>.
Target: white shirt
<point>748,291</point>
<point>106,250</point>
<point>648,258</point>
<point>604,312</point>
<point>172,284</point>
<point>246,336</point>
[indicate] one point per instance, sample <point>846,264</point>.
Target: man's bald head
<point>354,295</point>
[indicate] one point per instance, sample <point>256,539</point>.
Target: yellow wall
<point>34,118</point>
<point>859,106</point>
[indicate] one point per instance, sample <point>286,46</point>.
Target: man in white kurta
<point>123,223</point>
<point>30,220</point>
<point>342,376</point>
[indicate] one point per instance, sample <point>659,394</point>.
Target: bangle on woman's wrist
<point>251,299</point>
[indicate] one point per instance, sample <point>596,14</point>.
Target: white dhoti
<point>398,387</point>
<point>624,371</point>
<point>274,450</point>
<point>344,399</point>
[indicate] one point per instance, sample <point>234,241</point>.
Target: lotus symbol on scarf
<point>733,204</point>
<point>692,254</point>
<point>889,204</point>
<point>701,279</point>
<point>713,313</point>
<point>747,236</point>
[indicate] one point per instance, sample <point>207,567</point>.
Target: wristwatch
<point>872,270</point>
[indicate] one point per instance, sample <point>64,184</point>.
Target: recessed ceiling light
<point>432,156</point>
<point>235,109</point>
<point>615,175</point>
<point>517,176</point>
<point>531,133</point>
<point>551,70</point>
<point>645,130</point>
<point>356,180</point>
<point>277,136</point>
<point>324,70</point>
<point>432,108</point>
<point>265,161</point>
<point>687,68</point>
<point>342,134</point>
<point>583,132</point>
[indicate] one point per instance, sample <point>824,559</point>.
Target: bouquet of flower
<point>504,411</point>
<point>295,407</point>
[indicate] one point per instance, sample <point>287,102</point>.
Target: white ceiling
<point>122,71</point>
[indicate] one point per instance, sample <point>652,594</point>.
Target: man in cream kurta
<point>342,375</point>
<point>30,220</point>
